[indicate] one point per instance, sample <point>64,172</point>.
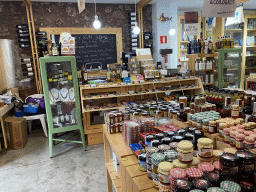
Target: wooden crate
<point>95,138</point>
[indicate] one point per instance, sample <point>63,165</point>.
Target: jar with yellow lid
<point>222,126</point>
<point>205,125</point>
<point>212,127</point>
<point>241,120</point>
<point>194,163</point>
<point>252,125</point>
<point>164,171</point>
<point>178,164</point>
<point>205,147</point>
<point>185,151</point>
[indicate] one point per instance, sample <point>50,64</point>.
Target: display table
<point>3,111</point>
<point>129,178</point>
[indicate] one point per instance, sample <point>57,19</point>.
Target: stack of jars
<point>205,121</point>
<point>200,105</point>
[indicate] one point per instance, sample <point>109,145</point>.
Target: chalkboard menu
<point>96,48</point>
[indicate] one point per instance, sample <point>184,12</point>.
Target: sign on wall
<point>163,39</point>
<point>219,8</point>
<point>191,23</point>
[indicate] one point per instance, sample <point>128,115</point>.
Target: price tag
<point>163,72</point>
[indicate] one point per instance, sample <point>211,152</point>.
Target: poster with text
<point>219,8</point>
<point>191,23</point>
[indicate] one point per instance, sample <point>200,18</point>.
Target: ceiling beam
<point>143,3</point>
<point>241,1</point>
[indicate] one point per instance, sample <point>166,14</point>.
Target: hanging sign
<point>81,5</point>
<point>219,8</point>
<point>191,23</point>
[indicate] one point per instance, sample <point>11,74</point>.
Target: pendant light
<point>172,31</point>
<point>136,29</point>
<point>96,23</point>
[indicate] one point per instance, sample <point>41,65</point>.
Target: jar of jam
<point>185,151</point>
<point>203,109</point>
<point>164,112</point>
<point>148,139</point>
<point>226,135</point>
<point>136,116</point>
<point>192,105</point>
<point>240,141</point>
<point>142,162</point>
<point>249,142</point>
<point>222,126</point>
<point>166,141</point>
<point>159,136</point>
<point>212,127</point>
<point>170,134</point>
<point>156,159</point>
<point>164,171</point>
<point>202,100</point>
<point>205,124</point>
<point>175,115</point>
<point>197,101</point>
<point>229,163</point>
<point>182,185</point>
<point>235,111</point>
<point>246,161</point>
<point>151,111</point>
<point>214,107</point>
<point>146,107</point>
<point>131,114</point>
<point>194,122</point>
<point>155,143</point>
<point>189,119</point>
<point>232,141</point>
<point>205,147</point>
<point>199,123</point>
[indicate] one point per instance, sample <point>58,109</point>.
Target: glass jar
<point>232,140</point>
<point>205,147</point>
<point>183,100</point>
<point>212,127</point>
<point>199,123</point>
<point>189,119</point>
<point>213,107</point>
<point>192,105</point>
<point>185,151</point>
<point>131,114</point>
<point>158,114</point>
<point>151,111</point>
<point>136,116</point>
<point>144,114</point>
<point>240,141</point>
<point>164,112</point>
<point>174,115</point>
<point>197,101</point>
<point>202,100</point>
<point>205,124</point>
<point>194,117</point>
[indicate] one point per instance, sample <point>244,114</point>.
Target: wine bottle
<point>22,26</point>
<point>26,59</point>
<point>22,31</point>
<point>24,45</point>
<point>54,47</point>
<point>23,35</point>
<point>248,110</point>
<point>26,65</point>
<point>41,33</point>
<point>28,74</point>
<point>30,69</point>
<point>226,112</point>
<point>24,40</point>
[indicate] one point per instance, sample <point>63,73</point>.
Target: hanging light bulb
<point>136,29</point>
<point>96,23</point>
<point>172,31</point>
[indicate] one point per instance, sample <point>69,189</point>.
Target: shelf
<point>204,70</point>
<point>105,109</point>
<point>184,50</point>
<point>184,60</point>
<point>251,29</point>
<point>115,176</point>
<point>132,95</point>
<point>209,84</point>
<point>183,41</point>
<point>251,46</point>
<point>233,30</point>
<point>203,55</point>
<point>138,84</point>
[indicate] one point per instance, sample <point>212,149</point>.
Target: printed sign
<point>191,23</point>
<point>163,39</point>
<point>219,8</point>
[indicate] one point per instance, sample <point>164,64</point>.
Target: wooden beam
<point>143,3</point>
<point>241,1</point>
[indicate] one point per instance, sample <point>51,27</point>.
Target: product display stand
<point>123,92</point>
<point>60,84</point>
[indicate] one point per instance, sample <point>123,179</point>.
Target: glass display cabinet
<point>61,93</point>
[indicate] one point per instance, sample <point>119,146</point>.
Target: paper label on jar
<point>155,179</point>
<point>239,144</point>
<point>163,178</point>
<point>211,129</point>
<point>247,168</point>
<point>205,128</point>
<point>205,152</point>
<point>174,116</point>
<point>235,113</point>
<point>185,157</point>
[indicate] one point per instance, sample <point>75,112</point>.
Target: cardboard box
<point>17,131</point>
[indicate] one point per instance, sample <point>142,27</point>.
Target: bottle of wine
<point>54,47</point>
<point>226,112</point>
<point>26,60</point>
<point>248,110</point>
<point>28,74</point>
<point>253,117</point>
<point>22,31</point>
<point>22,26</point>
<point>30,69</point>
<point>26,65</point>
<point>182,115</point>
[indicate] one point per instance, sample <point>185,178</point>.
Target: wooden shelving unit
<point>122,93</point>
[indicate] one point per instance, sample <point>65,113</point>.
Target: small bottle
<point>197,65</point>
<point>206,47</point>
<point>210,46</point>
<point>226,112</point>
<point>182,115</point>
<point>54,47</point>
<point>248,110</point>
<point>84,75</point>
<point>108,74</point>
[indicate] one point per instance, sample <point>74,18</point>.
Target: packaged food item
<point>194,163</point>
<point>131,132</point>
<point>205,147</point>
<point>147,124</point>
<point>156,159</point>
<point>185,151</point>
<point>162,148</point>
<point>164,172</point>
<point>182,185</point>
<point>230,150</point>
<point>230,186</point>
<point>240,141</point>
<point>194,173</point>
<point>149,152</point>
<point>246,161</point>
<point>148,139</point>
<point>215,189</point>
<point>213,178</point>
<point>170,155</point>
<point>201,184</point>
<point>217,166</point>
<point>205,167</point>
<point>229,163</point>
<point>142,162</point>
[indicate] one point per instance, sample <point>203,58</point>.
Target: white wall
<point>162,29</point>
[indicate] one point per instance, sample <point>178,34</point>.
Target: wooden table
<point>129,178</point>
<point>3,111</point>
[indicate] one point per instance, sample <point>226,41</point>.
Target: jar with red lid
<point>111,119</point>
<point>197,101</point>
<point>240,141</point>
<point>121,117</point>
<point>212,127</point>
<point>249,142</point>
<point>232,140</point>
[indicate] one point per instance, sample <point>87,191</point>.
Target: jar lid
<point>159,135</point>
<point>164,168</point>
<point>229,159</point>
<point>166,141</point>
<point>205,142</point>
<point>181,132</point>
<point>151,150</point>
<point>182,185</point>
<point>245,156</point>
<point>230,150</point>
<point>199,119</point>
<point>177,138</point>
<point>169,133</point>
<point>157,158</point>
<point>185,146</point>
<point>136,113</point>
<point>194,173</point>
<point>195,161</point>
<point>223,125</point>
<point>250,139</point>
<point>132,111</point>
<point>139,110</point>
<point>215,189</point>
<point>174,112</point>
<point>177,173</point>
<point>205,121</point>
<point>213,177</point>
<point>201,184</point>
<point>205,167</point>
<point>142,157</point>
<point>164,109</point>
<point>230,186</point>
<point>178,164</point>
<point>212,123</point>
<point>189,136</point>
<point>149,138</point>
<point>199,133</point>
<point>217,153</point>
<point>157,111</point>
<point>191,129</point>
<point>217,165</point>
<point>155,143</point>
<point>173,145</point>
<point>248,133</point>
<point>241,131</point>
<point>164,147</point>
<point>144,113</point>
<point>170,155</point>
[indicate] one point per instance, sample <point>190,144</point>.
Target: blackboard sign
<point>95,48</point>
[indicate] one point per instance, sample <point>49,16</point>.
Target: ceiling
<point>251,4</point>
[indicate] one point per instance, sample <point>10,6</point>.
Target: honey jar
<point>205,147</point>
<point>185,151</point>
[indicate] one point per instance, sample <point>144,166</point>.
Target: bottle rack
<point>129,92</point>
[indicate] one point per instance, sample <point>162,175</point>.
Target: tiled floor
<point>71,168</point>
